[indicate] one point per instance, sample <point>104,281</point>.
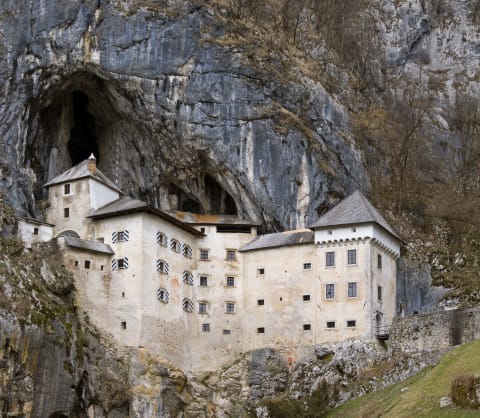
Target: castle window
<point>330,324</point>
<point>205,327</point>
<point>351,323</point>
<point>162,266</point>
<point>66,212</point>
<point>163,295</point>
<point>231,255</point>
<point>330,259</point>
<point>187,251</point>
<point>227,332</point>
<point>162,239</point>
<point>188,278</point>
<point>352,257</point>
<point>187,305</point>
<point>352,289</point>
<point>379,261</point>
<point>260,271</point>
<point>35,231</point>
<point>122,263</point>
<point>379,293</point>
<point>329,291</point>
<point>202,307</point>
<point>307,266</point>
<point>204,253</point>
<point>230,281</point>
<point>123,324</point>
<point>203,281</point>
<point>261,330</point>
<point>175,245</point>
<point>76,263</point>
<point>66,188</point>
<point>120,236</point>
<point>202,230</point>
<point>87,264</point>
<point>230,307</point>
<point>307,327</point>
<point>306,298</point>
<point>260,302</point>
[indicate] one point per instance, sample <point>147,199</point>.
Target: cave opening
<point>219,199</point>
<point>83,138</point>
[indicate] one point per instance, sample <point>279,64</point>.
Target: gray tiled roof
<point>211,219</point>
<point>88,245</point>
<point>120,205</point>
<point>354,209</point>
<point>280,239</point>
<point>81,171</point>
<point>126,205</point>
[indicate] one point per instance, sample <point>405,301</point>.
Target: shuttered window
<point>120,236</point>
<point>188,278</point>
<point>175,245</point>
<point>187,251</point>
<point>163,295</point>
<point>162,266</point>
<point>162,239</point>
<point>120,263</point>
<point>187,305</point>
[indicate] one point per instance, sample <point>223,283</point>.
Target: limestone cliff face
<point>175,116</point>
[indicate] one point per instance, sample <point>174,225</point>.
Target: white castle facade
<point>200,290</point>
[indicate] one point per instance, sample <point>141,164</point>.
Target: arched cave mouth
<point>87,114</point>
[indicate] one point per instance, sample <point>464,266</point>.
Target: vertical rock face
<point>176,117</point>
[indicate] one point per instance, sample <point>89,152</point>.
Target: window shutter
<point>188,277</point>
<point>114,237</point>
<point>126,235</point>
<point>125,262</point>
<point>114,264</point>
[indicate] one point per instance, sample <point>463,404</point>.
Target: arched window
<point>187,251</point>
<point>162,239</point>
<point>175,245</point>
<point>163,295</point>
<point>187,305</point>
<point>188,278</point>
<point>162,266</point>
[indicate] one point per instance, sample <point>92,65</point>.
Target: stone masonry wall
<point>435,331</point>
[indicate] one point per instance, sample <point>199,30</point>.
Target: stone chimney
<point>92,164</point>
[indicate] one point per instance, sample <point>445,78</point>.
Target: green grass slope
<point>420,395</point>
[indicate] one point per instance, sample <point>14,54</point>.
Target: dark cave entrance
<point>83,138</point>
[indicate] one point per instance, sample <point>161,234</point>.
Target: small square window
<point>123,294</point>
<point>123,324</point>
<point>231,255</point>
<point>66,212</point>
<point>352,289</point>
<point>307,266</point>
<point>261,330</point>
<point>230,307</point>
<point>227,332</point>
<point>87,264</point>
<point>329,291</point>
<point>121,263</point>
<point>260,302</point>
<point>203,281</point>
<point>379,261</point>
<point>202,230</point>
<point>330,259</point>
<point>306,298</point>
<point>307,327</point>
<point>204,254</point>
<point>66,188</point>
<point>230,281</point>
<point>330,324</point>
<point>76,263</point>
<point>261,271</point>
<point>379,293</point>
<point>202,308</point>
<point>205,327</point>
<point>329,232</point>
<point>351,323</point>
<point>35,231</point>
<point>352,257</point>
